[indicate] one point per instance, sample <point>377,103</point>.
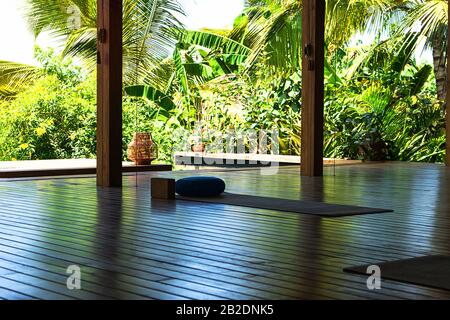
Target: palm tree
<point>420,25</point>
<point>275,26</point>
<point>344,18</point>
<point>272,31</point>
<point>426,24</point>
<point>150,29</point>
<point>151,32</point>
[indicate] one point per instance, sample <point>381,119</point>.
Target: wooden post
<point>447,117</point>
<point>313,87</point>
<point>109,93</point>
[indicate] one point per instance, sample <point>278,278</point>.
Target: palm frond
<point>426,19</point>
<point>346,17</point>
<point>278,33</point>
<point>14,76</point>
<point>150,29</point>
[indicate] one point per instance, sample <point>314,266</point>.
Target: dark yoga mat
<point>428,271</point>
<point>298,206</point>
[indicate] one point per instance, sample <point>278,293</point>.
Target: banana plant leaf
<point>330,73</point>
<point>214,42</point>
<point>181,71</point>
<point>152,94</point>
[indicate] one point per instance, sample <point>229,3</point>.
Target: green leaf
<point>152,94</point>
<point>15,76</point>
<point>214,42</point>
<point>181,71</point>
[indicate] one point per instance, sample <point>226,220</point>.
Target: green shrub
<point>377,123</point>
<point>49,120</point>
<point>372,118</point>
<point>55,119</point>
<point>274,101</point>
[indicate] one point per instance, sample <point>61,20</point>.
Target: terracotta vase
<point>199,147</point>
<point>141,149</point>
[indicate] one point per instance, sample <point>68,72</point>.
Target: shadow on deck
<point>131,247</point>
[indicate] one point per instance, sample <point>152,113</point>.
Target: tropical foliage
<point>381,101</point>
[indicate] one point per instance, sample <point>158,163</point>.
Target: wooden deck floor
<point>130,247</point>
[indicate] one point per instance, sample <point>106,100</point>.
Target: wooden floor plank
<point>6,294</point>
<point>179,250</point>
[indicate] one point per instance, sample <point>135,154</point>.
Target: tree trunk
<point>439,68</point>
